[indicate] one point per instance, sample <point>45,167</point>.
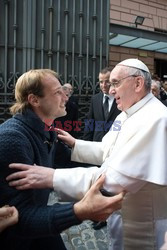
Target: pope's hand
<point>65,137</point>
<point>30,176</point>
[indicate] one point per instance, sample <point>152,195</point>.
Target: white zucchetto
<point>134,63</point>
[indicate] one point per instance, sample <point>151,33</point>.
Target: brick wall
<point>124,12</point>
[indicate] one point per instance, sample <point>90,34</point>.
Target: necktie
<point>105,107</point>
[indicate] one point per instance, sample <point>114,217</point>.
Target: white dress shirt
<point>110,101</point>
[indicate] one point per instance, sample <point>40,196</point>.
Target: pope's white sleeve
<point>72,184</point>
<point>88,152</point>
<point>116,182</point>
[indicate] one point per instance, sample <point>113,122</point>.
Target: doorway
<point>161,68</point>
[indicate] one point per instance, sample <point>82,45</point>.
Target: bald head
<point>68,88</point>
<point>68,85</point>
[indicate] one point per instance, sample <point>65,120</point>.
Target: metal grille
<point>69,36</point>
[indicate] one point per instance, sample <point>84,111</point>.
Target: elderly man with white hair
<point>156,90</point>
<point>132,156</point>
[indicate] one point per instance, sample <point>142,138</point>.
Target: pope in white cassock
<point>133,156</point>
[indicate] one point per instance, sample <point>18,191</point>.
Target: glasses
<point>116,84</point>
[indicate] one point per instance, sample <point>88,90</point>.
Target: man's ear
<point>139,83</point>
<point>33,100</point>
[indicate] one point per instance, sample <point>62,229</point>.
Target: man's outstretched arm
<point>38,177</point>
<point>93,206</point>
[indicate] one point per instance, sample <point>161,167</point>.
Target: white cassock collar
<point>133,109</point>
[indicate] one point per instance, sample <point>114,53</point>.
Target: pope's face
<point>124,91</point>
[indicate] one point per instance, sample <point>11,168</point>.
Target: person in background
<point>128,157</point>
<point>70,88</point>
<point>156,90</point>
<point>28,137</point>
<point>103,110</point>
<point>163,92</point>
<point>8,217</point>
<point>69,122</point>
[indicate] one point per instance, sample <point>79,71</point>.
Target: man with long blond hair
<point>28,137</point>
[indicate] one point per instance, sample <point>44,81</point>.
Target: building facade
<point>68,36</point>
<point>146,41</point>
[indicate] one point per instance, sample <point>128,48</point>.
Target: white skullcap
<point>134,63</point>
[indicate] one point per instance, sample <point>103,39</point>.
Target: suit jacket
<point>95,125</point>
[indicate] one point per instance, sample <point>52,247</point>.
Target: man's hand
<point>65,137</point>
<point>30,176</point>
<point>94,206</point>
<point>8,217</point>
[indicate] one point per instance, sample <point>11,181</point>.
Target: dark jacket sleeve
<point>43,221</point>
<point>36,219</point>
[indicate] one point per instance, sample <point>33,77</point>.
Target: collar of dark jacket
<point>29,118</point>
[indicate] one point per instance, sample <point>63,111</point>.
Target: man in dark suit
<point>102,113</point>
<point>101,116</point>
